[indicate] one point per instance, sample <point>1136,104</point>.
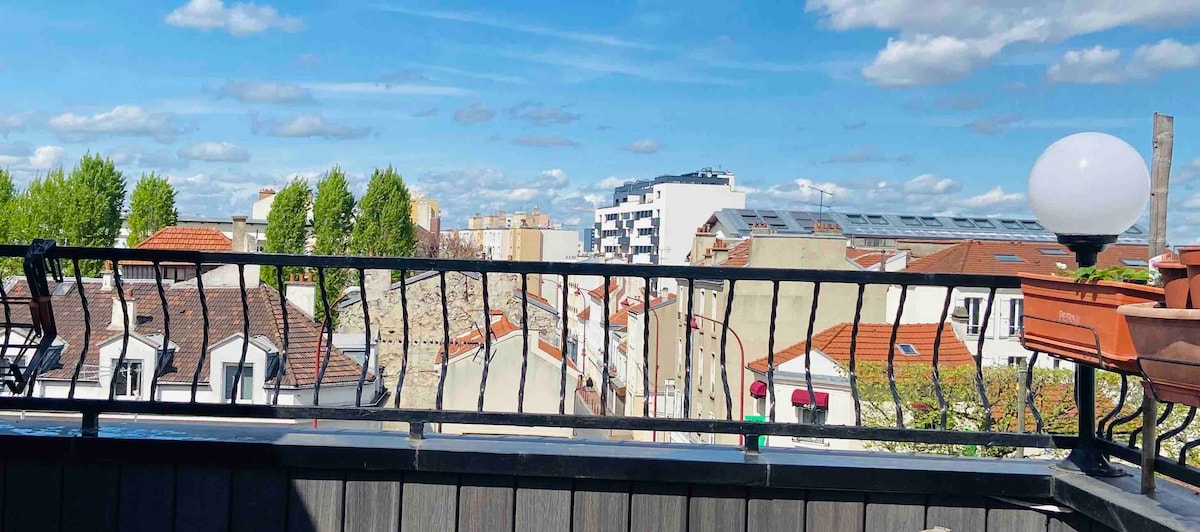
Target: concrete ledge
<point>1118,503</point>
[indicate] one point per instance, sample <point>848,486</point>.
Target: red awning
<point>800,398</point>
<point>758,389</point>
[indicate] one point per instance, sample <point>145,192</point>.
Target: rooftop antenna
<point>821,200</point>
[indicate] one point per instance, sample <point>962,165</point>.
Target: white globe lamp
<point>1088,188</point>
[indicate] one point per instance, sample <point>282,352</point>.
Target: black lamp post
<point>1088,188</point>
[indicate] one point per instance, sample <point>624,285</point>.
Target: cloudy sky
<point>914,106</point>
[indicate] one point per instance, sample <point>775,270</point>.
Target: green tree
<point>40,211</point>
<point>8,193</point>
<point>383,225</point>
<point>151,207</point>
<point>94,198</point>
<point>287,225</point>
<point>333,221</point>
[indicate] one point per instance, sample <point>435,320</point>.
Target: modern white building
<point>653,221</point>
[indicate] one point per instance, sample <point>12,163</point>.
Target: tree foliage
<point>448,245</point>
<point>383,224</point>
<point>333,222</point>
<point>151,207</point>
<point>287,225</point>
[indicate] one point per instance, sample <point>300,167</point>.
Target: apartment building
<point>521,236</point>
<point>749,323</point>
<point>652,221</point>
<point>1001,337</point>
<point>426,214</point>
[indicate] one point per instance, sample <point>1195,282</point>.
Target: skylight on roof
<point>1007,257</point>
<point>964,223</point>
<point>908,350</point>
<point>931,221</point>
<point>910,221</point>
<point>877,219</point>
<point>984,223</point>
<point>1135,262</point>
<point>1032,225</point>
<point>1052,251</point>
<point>1010,224</point>
<point>1134,231</point>
<point>856,219</point>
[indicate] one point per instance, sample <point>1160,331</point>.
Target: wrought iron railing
<point>45,266</point>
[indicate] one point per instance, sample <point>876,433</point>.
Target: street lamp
<point>1088,188</point>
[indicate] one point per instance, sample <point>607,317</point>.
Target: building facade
<point>652,221</point>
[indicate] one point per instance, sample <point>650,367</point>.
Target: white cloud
<point>125,120</point>
<point>644,146</point>
<point>474,114</point>
<point>931,184</point>
<point>1193,202</point>
<point>353,88</point>
<point>464,192</point>
<point>941,42</point>
<point>238,19</point>
<point>536,114</point>
<point>1100,65</point>
<point>993,125</point>
<point>481,20</point>
<point>308,125</point>
<point>264,92</point>
<point>14,122</point>
<point>215,152</point>
<point>993,198</point>
<point>47,157</point>
<point>612,182</point>
<point>1092,65</point>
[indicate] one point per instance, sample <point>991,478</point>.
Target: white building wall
<point>559,245</point>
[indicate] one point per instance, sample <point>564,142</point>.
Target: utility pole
<point>1164,140</point>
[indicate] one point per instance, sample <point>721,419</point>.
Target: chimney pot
<point>239,234</point>
<point>264,193</point>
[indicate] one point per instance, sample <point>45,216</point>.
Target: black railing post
<point>1086,457</point>
<point>91,422</point>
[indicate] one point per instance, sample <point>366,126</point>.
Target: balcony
<point>312,448</point>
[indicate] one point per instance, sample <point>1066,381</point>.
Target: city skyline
<point>487,109</point>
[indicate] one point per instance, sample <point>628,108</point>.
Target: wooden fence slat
<point>315,500</point>
<point>600,506</point>
<point>543,505</point>
<point>834,511</point>
<point>717,508</point>
<point>485,503</point>
<point>372,501</point>
<point>89,496</point>
<point>147,497</point>
<point>960,514</point>
<point>656,507</point>
<point>31,494</point>
<point>1013,518</point>
<point>259,499</point>
<point>775,510</point>
<point>429,503</point>
<point>892,511</point>
<point>202,498</point>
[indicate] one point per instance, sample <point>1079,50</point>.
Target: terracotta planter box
<point>1168,344</point>
<point>1077,321</point>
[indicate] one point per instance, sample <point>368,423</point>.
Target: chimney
<point>118,317</point>
<point>760,228</point>
<point>264,193</point>
<point>302,293</point>
<point>106,281</point>
<point>239,233</point>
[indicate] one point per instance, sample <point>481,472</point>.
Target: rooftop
<point>873,344</point>
<point>1011,258</point>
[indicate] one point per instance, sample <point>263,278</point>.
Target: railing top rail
<point>494,266</point>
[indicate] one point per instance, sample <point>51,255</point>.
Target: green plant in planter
<point>1092,274</point>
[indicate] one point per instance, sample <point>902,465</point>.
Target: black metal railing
<point>44,266</point>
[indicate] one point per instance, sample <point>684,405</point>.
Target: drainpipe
<point>741,367</point>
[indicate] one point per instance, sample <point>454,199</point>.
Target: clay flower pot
<point>1168,344</point>
<point>1079,321</point>
<point>1189,256</point>
<point>1175,283</point>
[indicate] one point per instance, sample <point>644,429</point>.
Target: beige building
<point>426,214</point>
<point>749,323</point>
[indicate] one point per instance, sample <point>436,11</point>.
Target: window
<point>1135,262</point>
<point>700,368</point>
<point>1010,224</point>
<point>129,378</point>
<point>645,231</point>
<point>964,223</point>
<point>811,416</point>
<point>712,373</point>
<point>1007,257</point>
<point>910,221</point>
<point>610,217</point>
<point>857,219</point>
<point>974,316</point>
<point>1032,225</point>
<point>1134,230</point>
<point>1052,251</point>
<point>984,223</point>
<point>908,350</point>
<point>700,303</point>
<point>1016,309</point>
<point>877,219</point>
<point>931,221</point>
<point>875,243</point>
<point>246,389</point>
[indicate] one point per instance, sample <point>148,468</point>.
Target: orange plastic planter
<point>1073,320</point>
<point>1168,342</point>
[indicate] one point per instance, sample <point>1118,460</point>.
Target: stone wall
<point>464,296</point>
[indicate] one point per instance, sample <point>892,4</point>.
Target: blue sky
<point>894,105</point>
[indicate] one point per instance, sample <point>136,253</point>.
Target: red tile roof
<point>598,292</point>
<point>187,328</point>
<point>868,258</point>
<point>586,314</point>
<point>555,353</point>
<point>873,345</point>
<point>979,257</point>
<point>184,239</point>
<point>739,255</point>
<point>472,340</point>
<point>621,317</point>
